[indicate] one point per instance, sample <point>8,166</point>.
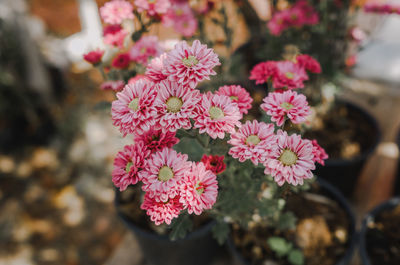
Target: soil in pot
<point>322,232</point>
<point>383,238</point>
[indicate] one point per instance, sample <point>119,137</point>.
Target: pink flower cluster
<point>382,8</point>
<point>181,17</point>
<point>285,74</point>
<point>300,14</point>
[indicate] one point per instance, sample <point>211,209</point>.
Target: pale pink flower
<point>175,105</point>
<point>286,104</point>
<point>136,78</point>
<point>156,140</point>
<point>217,115</point>
<point>186,26</point>
<point>263,72</point>
<point>189,65</point>
<point>134,109</point>
<point>289,75</point>
<point>154,70</point>
<point>114,12</point>
<point>116,38</point>
<point>153,7</point>
<point>238,95</point>
<point>199,189</point>
<point>113,85</point>
<point>177,12</point>
<point>127,165</point>
<point>163,174</point>
<point>145,48</point>
<point>319,153</point>
<point>291,161</point>
<point>161,212</point>
<point>254,141</point>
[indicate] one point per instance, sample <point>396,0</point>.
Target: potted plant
<point>379,239</point>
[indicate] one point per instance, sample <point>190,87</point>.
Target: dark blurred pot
<point>397,185</point>
<point>343,173</point>
<point>333,193</point>
<point>197,248</point>
<point>388,205</point>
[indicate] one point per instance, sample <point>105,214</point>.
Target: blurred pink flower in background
<point>116,11</point>
<point>145,48</point>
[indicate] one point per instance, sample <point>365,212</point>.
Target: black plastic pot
<point>333,193</point>
<point>343,173</point>
<point>388,205</point>
<point>197,248</point>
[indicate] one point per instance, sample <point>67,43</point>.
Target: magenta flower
<point>263,72</point>
<point>278,22</point>
<point>199,189</point>
<point>113,85</point>
<point>146,47</point>
<point>134,110</point>
<point>214,163</point>
<point>188,65</point>
<point>121,61</point>
<point>175,105</point>
<point>156,140</point>
<point>291,161</point>
<point>286,104</point>
<point>161,212</point>
<point>154,70</point>
<point>289,75</point>
<point>163,174</point>
<point>309,63</point>
<point>254,141</point>
<point>319,153</point>
<point>238,95</point>
<point>153,7</point>
<point>217,114</point>
<point>94,57</point>
<point>114,12</point>
<point>127,165</point>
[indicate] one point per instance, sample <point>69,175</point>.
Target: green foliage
<point>283,248</point>
<point>191,147</point>
<point>180,227</point>
<point>286,220</point>
<point>221,231</point>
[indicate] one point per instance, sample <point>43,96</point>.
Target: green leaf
<point>180,227</point>
<point>279,245</point>
<point>286,221</point>
<point>221,232</point>
<point>296,257</point>
<point>191,147</point>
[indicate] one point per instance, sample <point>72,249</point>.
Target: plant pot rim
<point>363,155</point>
<point>197,233</point>
<point>386,205</point>
<point>351,231</point>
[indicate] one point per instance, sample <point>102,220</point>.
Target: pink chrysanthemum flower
<point>181,17</point>
<point>146,47</point>
<point>161,212</point>
<point>309,63</point>
<point>278,22</point>
<point>156,140</point>
<point>254,141</point>
<point>319,153</point>
<point>217,114</point>
<point>289,75</point>
<point>121,61</point>
<point>287,104</point>
<point>188,65</point>
<point>163,174</point>
<point>127,165</point>
<point>262,72</point>
<point>115,37</point>
<point>136,78</point>
<point>155,69</point>
<point>291,161</point>
<point>175,105</point>
<point>114,12</point>
<point>153,7</point>
<point>113,85</point>
<point>238,95</point>
<point>199,189</point>
<point>134,109</point>
<point>214,163</point>
<point>93,57</point>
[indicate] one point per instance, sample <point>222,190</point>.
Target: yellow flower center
<point>134,105</point>
<point>253,140</point>
<point>288,157</point>
<point>199,188</point>
<point>151,1</point>
<point>174,104</point>
<point>190,61</point>
<point>287,105</point>
<point>165,174</point>
<point>289,75</point>
<point>233,98</point>
<point>216,113</point>
<point>143,50</point>
<point>128,167</point>
<point>179,12</point>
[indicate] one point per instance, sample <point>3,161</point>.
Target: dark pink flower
<point>309,63</point>
<point>289,75</point>
<point>156,140</point>
<point>263,72</point>
<point>319,153</point>
<point>113,85</point>
<point>214,163</point>
<point>94,57</point>
<point>121,61</point>
<point>238,95</point>
<point>161,212</point>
